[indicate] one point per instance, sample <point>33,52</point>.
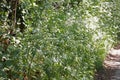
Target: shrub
<point>53,40</point>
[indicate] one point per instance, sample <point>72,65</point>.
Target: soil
<point>111,66</point>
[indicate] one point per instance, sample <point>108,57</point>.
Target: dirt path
<point>116,76</point>
<point>112,64</point>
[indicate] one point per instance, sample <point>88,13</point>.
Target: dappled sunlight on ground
<point>111,66</point>
<point>112,62</point>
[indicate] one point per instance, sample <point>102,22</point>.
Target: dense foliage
<point>55,39</point>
